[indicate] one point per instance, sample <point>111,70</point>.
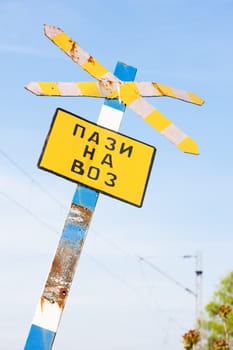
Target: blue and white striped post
<point>52,301</point>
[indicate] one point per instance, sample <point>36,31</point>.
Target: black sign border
<point>102,127</point>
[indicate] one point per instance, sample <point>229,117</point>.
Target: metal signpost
<point>98,159</point>
<point>52,301</point>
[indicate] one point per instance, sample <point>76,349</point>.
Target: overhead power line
<point>26,174</point>
<point>28,211</point>
<point>52,197</point>
<point>147,306</point>
<point>101,265</point>
<point>147,262</point>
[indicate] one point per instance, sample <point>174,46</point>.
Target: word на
<point>110,144</point>
<point>97,157</point>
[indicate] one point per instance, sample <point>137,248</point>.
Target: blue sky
<point>117,301</point>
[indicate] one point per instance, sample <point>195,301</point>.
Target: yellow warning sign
<point>97,157</point>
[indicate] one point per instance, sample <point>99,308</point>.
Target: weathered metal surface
<point>110,86</point>
<point>66,258</point>
<point>110,89</point>
<point>51,304</point>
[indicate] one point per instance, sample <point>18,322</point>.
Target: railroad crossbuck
<point>52,301</point>
<point>109,86</point>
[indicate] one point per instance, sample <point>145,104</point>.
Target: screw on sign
<point>119,91</point>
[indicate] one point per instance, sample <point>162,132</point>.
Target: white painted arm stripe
<point>147,89</point>
<point>141,107</point>
<point>182,95</point>
<point>173,134</point>
<point>51,31</point>
<point>80,56</point>
<point>110,77</point>
<point>34,87</point>
<point>69,89</point>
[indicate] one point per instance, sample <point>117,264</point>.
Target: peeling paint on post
<point>52,302</point>
<point>57,286</point>
<point>69,249</point>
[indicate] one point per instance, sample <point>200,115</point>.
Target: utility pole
<point>198,281</point>
<point>199,274</point>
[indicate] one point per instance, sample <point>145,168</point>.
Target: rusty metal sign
<point>97,157</point>
<point>83,152</point>
<point>51,303</point>
<point>109,86</point>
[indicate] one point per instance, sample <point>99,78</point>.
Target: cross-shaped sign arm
<point>103,89</point>
<point>110,86</point>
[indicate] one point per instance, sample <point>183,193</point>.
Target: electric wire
<point>48,226</point>
<point>154,304</point>
<point>28,211</point>
<point>147,306</point>
<point>135,256</point>
<point>26,174</point>
<point>100,264</point>
<point>143,259</point>
<point>103,266</point>
<point>113,274</point>
<point>147,262</point>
